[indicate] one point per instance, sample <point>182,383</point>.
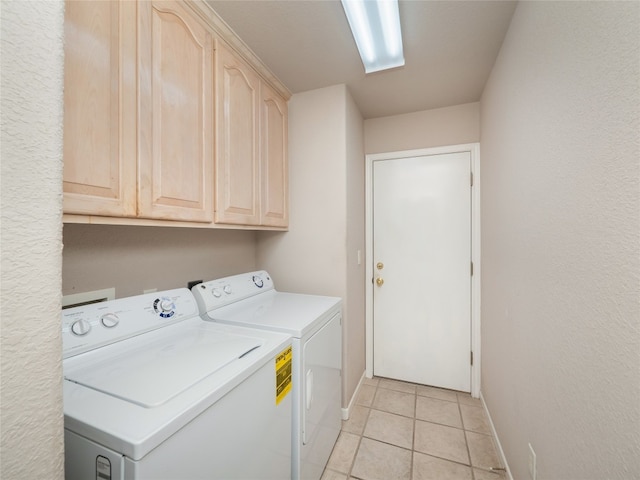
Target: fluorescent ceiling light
<point>375,25</point>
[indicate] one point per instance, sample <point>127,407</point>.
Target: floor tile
<point>365,395</point>
<point>331,475</point>
<point>439,393</point>
<point>395,402</point>
<point>426,467</point>
<point>396,434</point>
<point>467,399</point>
<point>397,385</point>
<point>371,381</point>
<point>482,451</point>
<point>357,420</point>
<point>438,411</point>
<point>475,419</point>
<point>379,461</point>
<point>344,452</point>
<point>441,441</point>
<point>486,475</point>
<point>390,428</point>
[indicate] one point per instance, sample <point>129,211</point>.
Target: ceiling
<point>449,47</point>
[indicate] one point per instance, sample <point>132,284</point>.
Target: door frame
<point>474,150</point>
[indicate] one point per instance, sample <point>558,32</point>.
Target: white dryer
<point>153,392</point>
<point>315,323</point>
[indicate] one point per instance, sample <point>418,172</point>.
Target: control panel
<point>225,291</point>
<point>91,326</point>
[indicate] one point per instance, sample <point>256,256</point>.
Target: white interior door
<point>422,269</point>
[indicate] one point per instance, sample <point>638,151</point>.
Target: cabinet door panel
<point>176,88</point>
<point>100,108</point>
<point>237,167</point>
<point>274,205</point>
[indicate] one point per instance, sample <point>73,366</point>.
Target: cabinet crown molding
<point>225,33</point>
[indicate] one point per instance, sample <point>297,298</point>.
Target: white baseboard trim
<point>503,459</point>
<point>346,412</point>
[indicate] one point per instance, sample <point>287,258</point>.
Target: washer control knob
<point>217,293</point>
<point>80,327</point>
<point>258,281</point>
<point>109,320</point>
<point>227,289</point>
<point>166,305</point>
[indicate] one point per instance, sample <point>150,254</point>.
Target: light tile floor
<point>404,431</point>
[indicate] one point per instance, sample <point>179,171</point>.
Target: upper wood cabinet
<point>251,161</point>
<point>238,150</point>
<point>169,118</point>
<point>100,108</point>
<point>176,114</point>
<point>138,124</point>
<point>274,164</point>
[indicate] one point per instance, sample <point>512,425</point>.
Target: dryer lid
<point>293,313</point>
<point>150,374</point>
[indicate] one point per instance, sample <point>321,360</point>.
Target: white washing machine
<point>153,392</point>
<point>314,322</point>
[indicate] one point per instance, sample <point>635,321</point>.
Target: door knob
<point>379,281</point>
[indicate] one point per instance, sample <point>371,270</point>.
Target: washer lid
<point>151,374</point>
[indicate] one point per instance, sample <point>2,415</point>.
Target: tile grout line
<point>413,436</point>
<point>466,439</point>
<point>361,436</point>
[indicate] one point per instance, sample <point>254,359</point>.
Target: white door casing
<point>400,276</point>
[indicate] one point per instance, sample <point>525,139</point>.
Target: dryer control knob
<point>217,293</point>
<point>109,320</point>
<point>227,289</point>
<point>80,327</point>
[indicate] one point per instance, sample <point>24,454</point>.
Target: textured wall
<point>133,259</point>
<point>560,121</point>
<point>31,147</point>
<point>429,128</point>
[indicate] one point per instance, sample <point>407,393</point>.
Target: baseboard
<point>503,459</point>
<point>346,412</point>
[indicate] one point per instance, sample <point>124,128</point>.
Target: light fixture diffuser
<point>375,25</point>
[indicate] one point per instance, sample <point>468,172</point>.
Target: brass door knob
<point>379,281</point>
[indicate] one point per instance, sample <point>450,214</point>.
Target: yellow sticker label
<point>283,374</point>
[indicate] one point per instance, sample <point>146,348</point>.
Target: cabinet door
<point>176,113</point>
<point>100,108</point>
<point>237,167</point>
<point>274,173</point>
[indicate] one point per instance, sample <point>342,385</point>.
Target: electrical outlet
<point>532,463</point>
<point>150,290</point>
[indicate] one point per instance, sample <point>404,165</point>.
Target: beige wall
<point>133,259</point>
<point>561,240</point>
<point>31,444</point>
<point>429,128</point>
<point>313,257</point>
<point>354,330</point>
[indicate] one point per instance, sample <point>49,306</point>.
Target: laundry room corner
<point>323,251</point>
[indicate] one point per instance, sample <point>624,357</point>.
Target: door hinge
<point>472,269</point>
<point>471,174</point>
<point>471,358</point>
